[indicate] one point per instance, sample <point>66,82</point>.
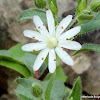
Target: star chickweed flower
<point>52,41</point>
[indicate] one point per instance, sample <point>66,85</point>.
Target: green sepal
<point>53,7</point>
<point>88,47</point>
<point>40,3</point>
<point>29,13</point>
<point>95,5</point>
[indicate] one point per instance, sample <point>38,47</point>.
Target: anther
<point>39,27</point>
<point>33,50</point>
<point>63,48</point>
<point>66,38</point>
<point>43,24</point>
<point>54,59</point>
<point>42,58</point>
<point>62,27</point>
<point>33,37</point>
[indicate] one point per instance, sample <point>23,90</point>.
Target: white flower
<point>52,41</point>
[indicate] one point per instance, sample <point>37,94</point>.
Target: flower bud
<point>36,90</point>
<point>53,7</point>
<point>71,98</point>
<point>82,5</point>
<point>87,11</point>
<point>84,17</point>
<point>95,5</point>
<point>40,3</point>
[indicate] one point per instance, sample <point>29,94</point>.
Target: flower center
<point>52,42</point>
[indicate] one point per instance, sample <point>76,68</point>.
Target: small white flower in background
<point>52,41</point>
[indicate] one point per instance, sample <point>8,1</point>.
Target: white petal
<point>64,56</point>
<point>73,45</point>
<point>50,21</point>
<point>40,25</point>
<point>40,59</point>
<point>34,35</point>
<point>63,24</point>
<point>70,33</point>
<point>33,46</point>
<point>52,61</point>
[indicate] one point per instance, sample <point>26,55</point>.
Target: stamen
<point>62,27</point>
<point>63,48</point>
<point>33,37</point>
<point>33,50</point>
<point>42,58</point>
<point>54,59</point>
<point>39,27</point>
<point>43,24</point>
<point>47,28</point>
<point>58,23</point>
<point>66,38</point>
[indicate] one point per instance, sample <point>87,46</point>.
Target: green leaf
<point>60,75</point>
<point>7,60</point>
<point>16,51</point>
<point>27,83</point>
<point>24,94</point>
<point>57,92</point>
<point>97,16</point>
<point>49,88</point>
<point>67,93</point>
<point>29,13</point>
<point>19,58</point>
<point>20,61</point>
<point>89,47</point>
<point>53,87</point>
<point>76,91</point>
<point>24,89</point>
<point>89,25</point>
<point>16,55</point>
<point>5,55</point>
<point>26,58</point>
<point>17,67</point>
